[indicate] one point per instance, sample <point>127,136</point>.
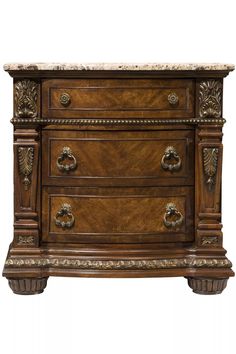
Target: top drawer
<point>121,98</point>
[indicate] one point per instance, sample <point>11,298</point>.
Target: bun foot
<point>27,286</point>
<point>207,286</point>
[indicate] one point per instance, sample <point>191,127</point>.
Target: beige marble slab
<point>121,66</point>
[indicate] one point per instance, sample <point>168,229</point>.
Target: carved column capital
<point>26,99</point>
<point>210,98</point>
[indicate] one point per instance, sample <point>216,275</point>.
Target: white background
<point>114,316</point>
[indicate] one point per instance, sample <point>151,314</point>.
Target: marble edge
<point>118,66</point>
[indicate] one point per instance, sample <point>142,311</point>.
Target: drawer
<point>121,98</point>
<point>117,215</point>
<point>79,158</point>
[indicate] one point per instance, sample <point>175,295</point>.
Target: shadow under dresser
<point>117,173</point>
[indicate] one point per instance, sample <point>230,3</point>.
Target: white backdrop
<point>104,316</point>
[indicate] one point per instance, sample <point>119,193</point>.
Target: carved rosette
<point>25,160</point>
<point>210,162</point>
<point>209,240</point>
<point>25,240</point>
<point>210,99</point>
<point>26,95</point>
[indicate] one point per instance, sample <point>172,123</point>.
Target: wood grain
<point>121,158</point>
<point>117,98</point>
<point>115,215</point>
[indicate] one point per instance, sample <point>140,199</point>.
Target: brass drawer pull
<point>171,154</point>
<point>171,211</point>
<point>65,99</point>
<point>66,154</point>
<point>173,98</point>
<point>64,212</point>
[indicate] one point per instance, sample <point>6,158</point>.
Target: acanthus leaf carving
<point>210,162</point>
<point>121,264</point>
<point>26,95</point>
<point>25,160</point>
<point>210,99</point>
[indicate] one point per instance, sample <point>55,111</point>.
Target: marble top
<point>120,66</point>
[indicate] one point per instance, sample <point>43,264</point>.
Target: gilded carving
<point>209,240</point>
<point>141,264</point>
<point>210,99</point>
<point>59,121</point>
<point>25,160</point>
<point>26,94</point>
<point>25,240</point>
<point>210,162</point>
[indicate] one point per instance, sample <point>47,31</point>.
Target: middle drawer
<point>87,158</point>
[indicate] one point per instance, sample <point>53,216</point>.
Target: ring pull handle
<point>172,217</point>
<point>66,154</point>
<point>65,99</point>
<point>173,98</point>
<point>171,154</point>
<point>64,217</point>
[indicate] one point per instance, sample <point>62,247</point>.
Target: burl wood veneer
<point>117,171</point>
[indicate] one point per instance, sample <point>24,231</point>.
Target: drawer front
<point>121,98</point>
<point>120,158</point>
<point>117,215</point>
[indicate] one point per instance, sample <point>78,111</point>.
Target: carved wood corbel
<point>26,99</point>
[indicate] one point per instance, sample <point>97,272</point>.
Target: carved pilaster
<point>26,99</point>
<point>27,183</point>
<point>208,186</point>
<point>208,164</point>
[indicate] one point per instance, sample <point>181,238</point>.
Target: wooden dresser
<point>117,172</point>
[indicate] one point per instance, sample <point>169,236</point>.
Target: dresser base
<point>28,270</point>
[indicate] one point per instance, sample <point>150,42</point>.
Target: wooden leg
<point>207,286</point>
<point>27,286</point>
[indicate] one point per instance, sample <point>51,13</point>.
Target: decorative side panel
<point>26,99</point>
<point>208,186</point>
<point>210,99</point>
<point>27,186</point>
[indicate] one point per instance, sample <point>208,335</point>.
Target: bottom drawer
<point>117,215</point>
